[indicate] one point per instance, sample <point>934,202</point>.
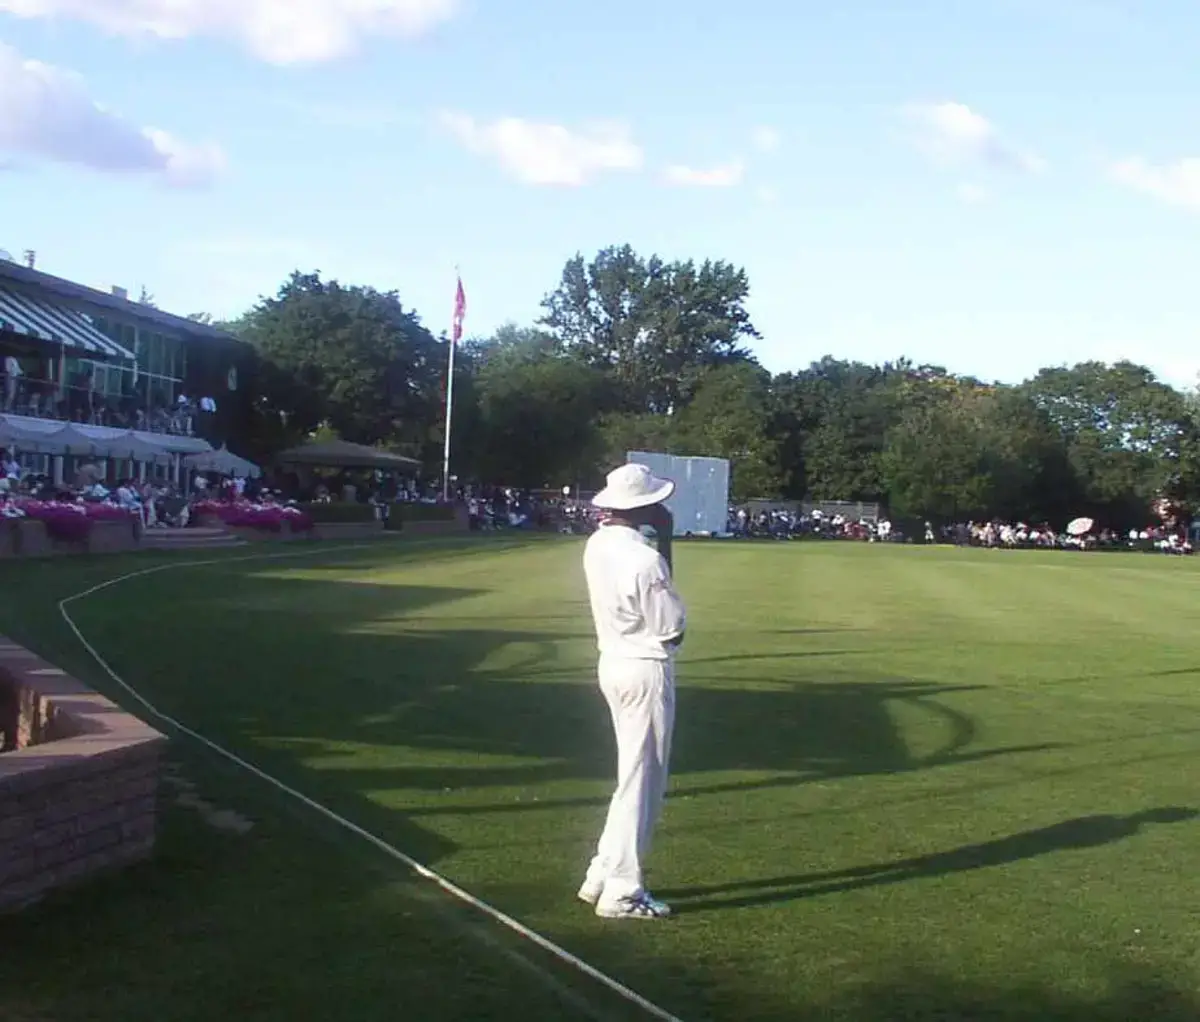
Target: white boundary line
<point>632,996</point>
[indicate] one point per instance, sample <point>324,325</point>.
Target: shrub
<point>403,511</point>
<point>339,512</point>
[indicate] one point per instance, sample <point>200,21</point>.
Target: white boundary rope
<point>516,926</point>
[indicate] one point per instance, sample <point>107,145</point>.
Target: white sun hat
<point>632,486</point>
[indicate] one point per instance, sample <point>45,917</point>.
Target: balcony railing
<point>48,399</point>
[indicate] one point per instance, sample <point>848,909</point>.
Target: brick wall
<point>80,792</point>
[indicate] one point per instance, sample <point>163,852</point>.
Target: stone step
<point>189,539</point>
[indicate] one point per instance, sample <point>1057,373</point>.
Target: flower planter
<point>253,522</point>
<point>34,537</point>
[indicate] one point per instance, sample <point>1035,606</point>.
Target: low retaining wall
<point>78,780</point>
<point>27,537</point>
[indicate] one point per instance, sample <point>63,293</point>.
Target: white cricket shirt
<point>637,613</point>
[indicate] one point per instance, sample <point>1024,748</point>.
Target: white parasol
<point>1080,527</point>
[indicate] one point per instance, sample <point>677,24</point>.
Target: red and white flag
<point>460,312</point>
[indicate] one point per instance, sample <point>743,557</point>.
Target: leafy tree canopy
<point>349,356</point>
<point>654,326</point>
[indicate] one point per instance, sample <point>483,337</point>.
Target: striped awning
<point>42,320</point>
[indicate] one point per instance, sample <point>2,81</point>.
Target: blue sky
<point>992,185</point>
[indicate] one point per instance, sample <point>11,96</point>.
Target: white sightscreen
<point>701,499</point>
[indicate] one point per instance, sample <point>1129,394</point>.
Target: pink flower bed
<point>244,515</point>
<point>67,522</point>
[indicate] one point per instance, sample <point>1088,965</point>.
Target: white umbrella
<point>11,433</point>
<point>1080,527</point>
<point>135,448</point>
<point>223,461</point>
<point>68,440</point>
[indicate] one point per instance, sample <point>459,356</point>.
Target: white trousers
<point>641,699</point>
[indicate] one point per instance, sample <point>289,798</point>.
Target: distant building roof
<point>79,292</point>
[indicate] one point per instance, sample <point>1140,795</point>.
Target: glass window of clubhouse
<point>161,365</point>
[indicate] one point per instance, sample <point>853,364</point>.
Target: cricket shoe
<point>640,906</point>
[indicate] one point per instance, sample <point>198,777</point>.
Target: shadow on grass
<point>329,685</point>
<point>293,921</point>
<point>1084,832</point>
<point>342,688</point>
<point>1129,995</point>
<point>278,926</point>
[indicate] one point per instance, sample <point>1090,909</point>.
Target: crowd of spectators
<point>160,504</point>
<point>78,400</point>
<point>155,503</point>
<point>786,524</point>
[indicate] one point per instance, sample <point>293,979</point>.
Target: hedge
<point>338,512</point>
<point>403,511</point>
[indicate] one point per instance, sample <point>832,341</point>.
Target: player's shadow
<point>1082,832</point>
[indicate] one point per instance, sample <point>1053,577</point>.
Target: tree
<point>352,357</point>
<point>623,432</point>
<point>729,417</point>
<point>1126,433</point>
<point>964,450</point>
<point>537,412</point>
<point>831,420</point>
<point>653,326</point>
<point>146,298</point>
<point>934,460</point>
<point>512,343</point>
<point>1027,460</point>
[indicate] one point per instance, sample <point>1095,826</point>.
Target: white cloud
<point>279,31</point>
<point>971,194</point>
<point>766,139</point>
<point>727,175</point>
<point>1175,183</point>
<point>548,154</point>
<point>954,135</point>
<point>45,112</point>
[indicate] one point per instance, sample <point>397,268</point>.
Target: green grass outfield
<point>910,784</point>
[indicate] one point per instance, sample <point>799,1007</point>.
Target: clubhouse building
<point>91,376</point>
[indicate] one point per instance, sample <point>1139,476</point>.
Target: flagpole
<point>455,335</point>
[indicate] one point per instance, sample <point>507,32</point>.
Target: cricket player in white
<point>640,622</point>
